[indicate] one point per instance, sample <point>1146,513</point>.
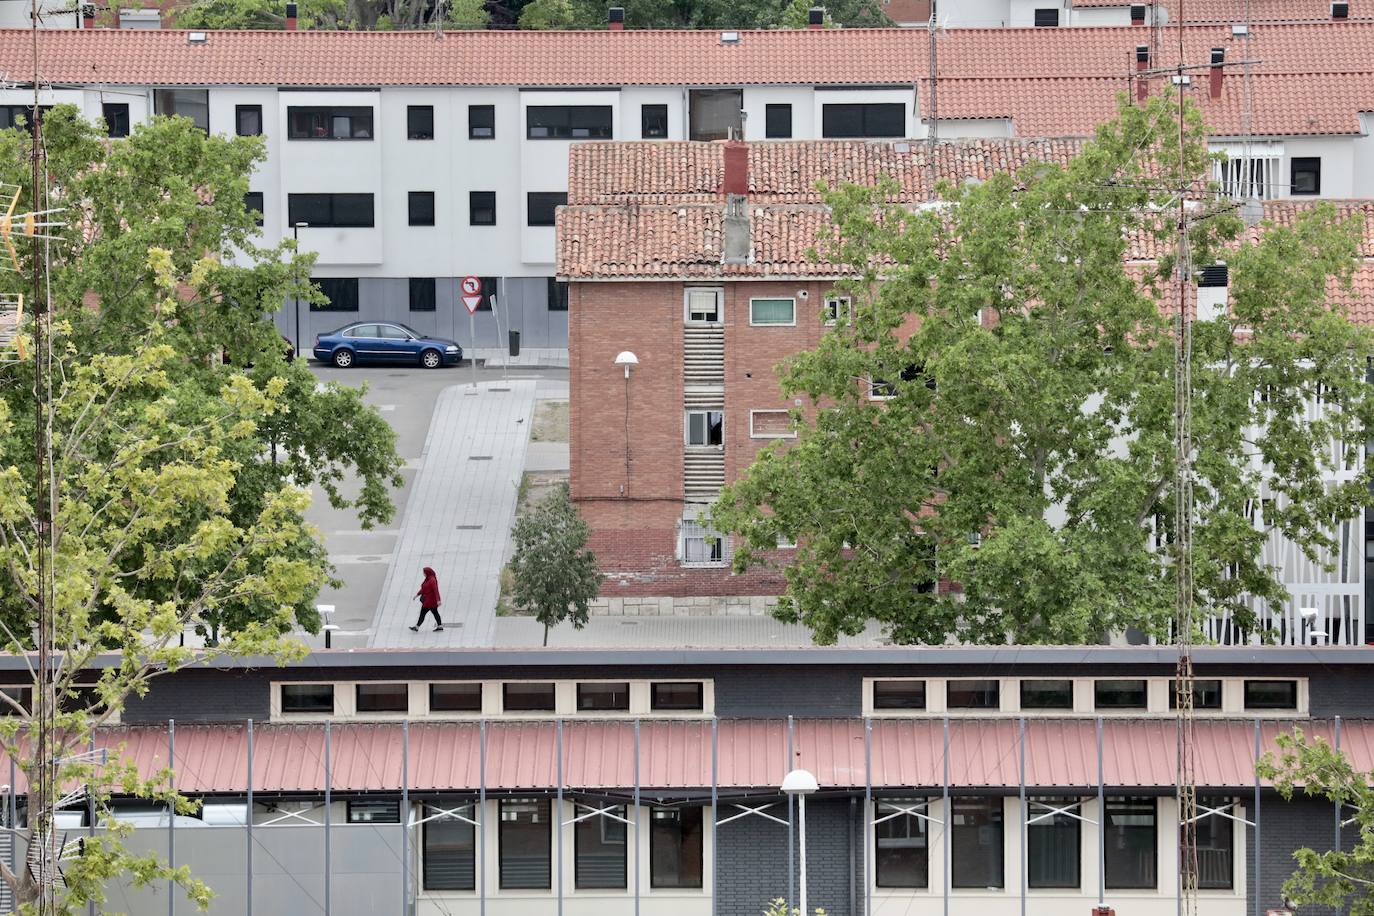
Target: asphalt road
<point>405,396</point>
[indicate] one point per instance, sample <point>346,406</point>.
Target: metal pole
<point>791,863</point>
<point>248,821</point>
<point>1101,822</point>
<point>405,817</point>
<point>637,852</point>
<point>472,338</point>
<point>90,818</point>
<point>171,814</point>
<point>715,817</point>
<point>296,234</point>
<point>1025,812</point>
<point>1337,804</point>
<point>328,782</point>
<point>482,818</point>
<point>14,814</point>
<point>1258,907</point>
<point>948,819</point>
<point>868,815</point>
<point>558,815</point>
<point>801,847</point>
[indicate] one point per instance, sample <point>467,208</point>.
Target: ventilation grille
<point>703,473</point>
<point>703,355</point>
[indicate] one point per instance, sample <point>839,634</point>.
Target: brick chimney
<point>736,179</point>
<point>815,17</point>
<point>88,15</point>
<point>1142,82</point>
<point>1217,73</point>
<point>615,18</point>
<point>290,17</point>
<point>1137,14</point>
<point>1340,10</point>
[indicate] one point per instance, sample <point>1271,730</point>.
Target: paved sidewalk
<point>459,514</point>
<point>670,632</point>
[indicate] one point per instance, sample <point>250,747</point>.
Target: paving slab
<point>670,632</point>
<point>459,514</point>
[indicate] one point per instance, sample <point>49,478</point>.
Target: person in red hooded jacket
<point>429,601</point>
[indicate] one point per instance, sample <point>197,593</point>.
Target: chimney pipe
<point>815,17</point>
<point>736,180</point>
<point>1137,14</point>
<point>88,15</point>
<point>615,18</point>
<point>1340,10</point>
<point>1212,292</point>
<point>1142,63</point>
<point>1217,72</point>
<point>290,17</point>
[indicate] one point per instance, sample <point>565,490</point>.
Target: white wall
<point>968,128</point>
<point>805,116</point>
<point>973,14</point>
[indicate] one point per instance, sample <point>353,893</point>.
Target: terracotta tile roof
<point>1309,78</point>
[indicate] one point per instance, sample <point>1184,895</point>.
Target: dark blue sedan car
<point>385,342</point>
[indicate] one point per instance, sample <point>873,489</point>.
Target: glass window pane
<point>671,696</point>
<point>703,305</point>
<point>772,311</point>
<point>481,122</point>
<point>455,697</point>
<point>1206,694</point>
<point>420,122</point>
<point>902,845</point>
<point>184,103</point>
<point>543,207</point>
<point>614,697</point>
<point>248,120</point>
<point>976,841</point>
<point>450,846</point>
<point>482,208</point>
<point>422,294</point>
<point>653,122</point>
<point>599,849</point>
<point>1271,694</point>
<point>715,427</point>
<point>778,122</point>
<point>675,847</point>
<point>899,694</point>
<point>383,698</point>
<point>1120,694</point>
<point>1052,845</point>
<point>557,295</point>
<point>374,811</point>
<point>528,697</point>
<point>1130,842</point>
<point>1216,839</point>
<point>972,694</point>
<point>307,698</point>
<point>524,843</point>
<point>696,428</point>
<point>116,115</point>
<point>1047,694</point>
<point>715,114</point>
<point>353,210</point>
<point>421,208</point>
<point>342,293</point>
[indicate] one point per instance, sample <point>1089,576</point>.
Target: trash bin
<point>514,343</point>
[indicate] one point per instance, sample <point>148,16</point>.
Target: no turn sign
<point>472,293</point>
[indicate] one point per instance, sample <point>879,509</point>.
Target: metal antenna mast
<point>933,133</point>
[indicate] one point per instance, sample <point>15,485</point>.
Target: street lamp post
<point>801,783</point>
<point>296,234</point>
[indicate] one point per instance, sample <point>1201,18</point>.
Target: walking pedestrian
<point>429,601</point>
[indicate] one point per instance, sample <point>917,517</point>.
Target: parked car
<point>385,342</point>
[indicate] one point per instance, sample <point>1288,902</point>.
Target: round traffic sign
<point>472,286</point>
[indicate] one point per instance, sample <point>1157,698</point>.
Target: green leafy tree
<point>363,15</point>
<point>547,14</point>
<point>1343,880</point>
<point>555,574</point>
<point>1024,448</point>
<point>719,14</point>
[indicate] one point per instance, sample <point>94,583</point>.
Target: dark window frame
<point>162,96</point>
<point>1199,689</point>
<point>601,687</point>
<point>1105,684</point>
<point>361,122</point>
<point>1132,806</point>
<point>382,702</point>
<point>684,836</point>
<point>120,125</point>
<point>347,301</point>
<point>254,201</point>
<point>1052,829</point>
<point>832,125</point>
<point>424,296</point>
<point>569,122</point>
<point>312,709</point>
<point>887,693</point>
<point>1031,703</point>
<point>996,688</point>
<point>1256,702</point>
<point>419,122</point>
<point>475,207</point>
<point>542,808</point>
<point>539,202</point>
<point>777,121</point>
<point>993,808</point>
<point>1306,166</point>
<point>507,706</point>
<point>310,201</point>
<point>601,824</point>
<point>557,295</point>
<point>703,107</point>
<point>356,806</point>
<point>1219,833</point>
<point>481,122</point>
<point>477,707</point>
<point>884,862</point>
<point>664,705</point>
<point>240,111</point>
<point>653,122</point>
<point>1042,18</point>
<point>467,876</point>
<point>421,209</point>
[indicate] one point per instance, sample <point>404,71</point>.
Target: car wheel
<point>343,358</point>
<point>431,359</point>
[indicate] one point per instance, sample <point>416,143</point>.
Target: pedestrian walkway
<point>671,632</point>
<point>459,514</point>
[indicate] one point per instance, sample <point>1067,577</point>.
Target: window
<point>1271,694</point>
<point>595,697</point>
<point>653,122</point>
<point>248,120</point>
<point>116,115</point>
<point>899,694</point>
<point>772,311</point>
<point>422,294</point>
<point>880,389</point>
<point>307,698</point>
<point>419,122</point>
<point>557,295</point>
<point>421,206</point>
<point>252,202</point>
<point>1056,694</point>
<point>329,123</point>
<point>568,122</point>
<point>488,291</point>
<point>705,427</point>
<point>542,206</point>
<point>1241,178</point>
<point>1206,694</point>
<point>599,849</point>
<point>524,840</point>
<point>777,122</point>
<point>702,546</point>
<point>902,857</point>
<point>837,307</point>
<point>1048,17</point>
<point>342,293</point>
<point>1216,845</point>
<point>1306,174</point>
<point>675,847</point>
<point>455,697</point>
<point>374,811</point>
<point>383,698</point>
<point>527,696</point>
<point>481,122</point>
<point>971,694</point>
<point>1052,843</point>
<point>703,305</point>
<point>184,103</point>
<point>771,424</point>
<point>976,856</point>
<point>21,695</point>
<point>482,208</point>
<point>364,331</point>
<point>675,697</point>
<point>715,114</point>
<point>344,211</point>
<point>866,119</point>
<point>450,851</point>
<point>1130,843</point>
<point>1116,694</point>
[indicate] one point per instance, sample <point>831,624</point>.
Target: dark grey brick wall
<point>1284,827</point>
<point>752,863</point>
<point>1340,692</point>
<point>199,695</point>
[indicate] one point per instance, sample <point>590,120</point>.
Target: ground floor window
<point>524,843</point>
<point>599,846</point>
<point>977,855</point>
<point>902,844</point>
<point>449,849</point>
<point>1131,825</point>
<point>675,847</point>
<point>1216,846</point>
<point>1052,843</point>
